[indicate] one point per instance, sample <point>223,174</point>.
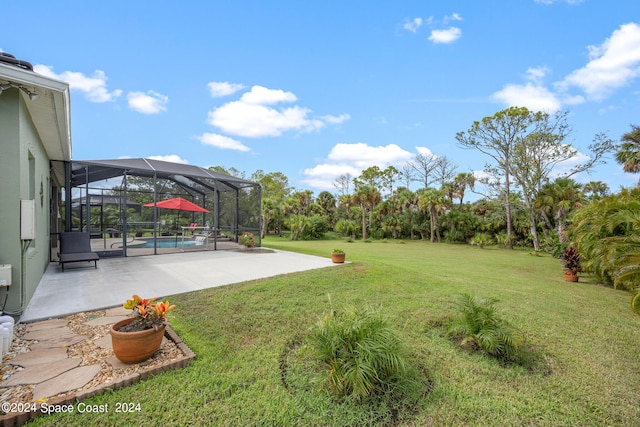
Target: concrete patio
<point>82,288</point>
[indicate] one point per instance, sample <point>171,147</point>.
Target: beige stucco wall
<point>24,171</point>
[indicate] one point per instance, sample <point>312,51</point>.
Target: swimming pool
<point>170,242</point>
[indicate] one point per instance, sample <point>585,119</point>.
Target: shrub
<point>480,328</point>
<point>502,239</point>
<point>346,227</point>
<point>482,240</point>
<point>361,352</point>
<point>318,225</point>
<point>453,236</point>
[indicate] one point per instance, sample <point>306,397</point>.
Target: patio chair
<point>75,247</point>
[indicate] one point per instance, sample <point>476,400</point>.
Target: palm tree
<point>345,201</point>
<point>270,211</point>
<point>607,235</point>
<point>559,198</point>
<point>367,197</point>
<point>431,201</point>
<point>405,202</point>
<point>327,203</point>
<point>462,182</point>
<point>628,154</point>
<point>595,190</point>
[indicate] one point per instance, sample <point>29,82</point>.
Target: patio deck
<point>82,288</point>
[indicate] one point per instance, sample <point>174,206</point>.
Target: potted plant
<point>571,260</point>
<point>338,256</point>
<point>138,337</point>
<point>247,239</point>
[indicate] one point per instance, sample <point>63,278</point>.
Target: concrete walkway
<point>82,288</point>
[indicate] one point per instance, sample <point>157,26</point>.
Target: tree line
<point>525,200</point>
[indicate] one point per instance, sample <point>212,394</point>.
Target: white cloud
<point>255,115</point>
<point>174,158</point>
<point>612,65</point>
<point>425,152</point>
<point>537,74</point>
<point>147,103</point>
<point>324,175</point>
<point>363,156</point>
<point>336,119</point>
<point>413,25</point>
<point>255,121</point>
<point>221,141</point>
<point>453,17</point>
<point>219,89</point>
<point>353,159</point>
<point>483,177</point>
<point>534,97</point>
<point>260,95</point>
<point>566,166</point>
<point>449,35</point>
<point>94,87</point>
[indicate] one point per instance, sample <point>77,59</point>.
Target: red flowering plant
<point>247,240</point>
<point>147,313</point>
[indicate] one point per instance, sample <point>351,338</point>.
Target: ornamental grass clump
<point>360,351</point>
<point>479,327</point>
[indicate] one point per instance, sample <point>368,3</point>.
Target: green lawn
<point>253,367</point>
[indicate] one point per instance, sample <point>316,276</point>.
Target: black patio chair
<point>75,246</point>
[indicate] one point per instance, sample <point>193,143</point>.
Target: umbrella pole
<point>177,225</point>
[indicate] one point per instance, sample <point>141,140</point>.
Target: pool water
<point>168,243</point>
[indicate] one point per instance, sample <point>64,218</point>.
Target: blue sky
<point>316,89</point>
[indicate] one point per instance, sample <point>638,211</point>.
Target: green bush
<point>360,351</point>
<point>502,239</point>
<point>482,240</point>
<point>346,227</point>
<point>480,327</point>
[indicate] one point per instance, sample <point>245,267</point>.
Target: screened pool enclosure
<point>120,203</point>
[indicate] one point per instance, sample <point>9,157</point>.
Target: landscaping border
<point>20,418</point>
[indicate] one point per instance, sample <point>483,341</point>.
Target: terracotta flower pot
<point>135,347</point>
<point>570,276</point>
<point>338,258</point>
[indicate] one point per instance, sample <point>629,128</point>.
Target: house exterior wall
<point>24,174</point>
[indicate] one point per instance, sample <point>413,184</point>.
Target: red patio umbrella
<point>179,204</point>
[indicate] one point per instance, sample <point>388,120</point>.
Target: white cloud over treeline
<point>612,65</point>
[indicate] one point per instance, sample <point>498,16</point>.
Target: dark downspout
<point>237,225</point>
<point>124,216</point>
<point>260,217</point>
<point>216,219</point>
<point>88,199</point>
<point>67,196</point>
<point>155,214</point>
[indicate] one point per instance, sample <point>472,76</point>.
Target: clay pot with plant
<point>338,256</point>
<point>571,261</point>
<point>137,338</point>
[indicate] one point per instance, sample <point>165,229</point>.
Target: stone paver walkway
<point>47,361</point>
<point>53,373</point>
